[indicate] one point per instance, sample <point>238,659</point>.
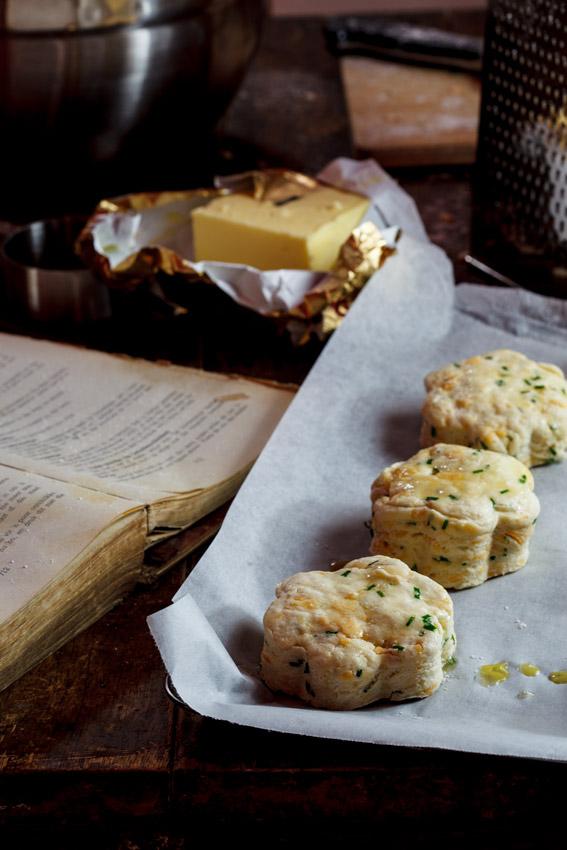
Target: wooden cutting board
<point>408,115</point>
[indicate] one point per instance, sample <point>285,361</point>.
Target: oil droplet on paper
<point>529,669</point>
<point>492,674</point>
<point>559,677</point>
<point>525,694</point>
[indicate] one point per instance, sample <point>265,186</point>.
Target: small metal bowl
<point>44,279</point>
<point>171,692</point>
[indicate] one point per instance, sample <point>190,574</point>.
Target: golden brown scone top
<point>457,514</point>
<point>371,630</point>
<point>501,401</point>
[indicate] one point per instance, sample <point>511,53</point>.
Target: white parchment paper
<point>306,500</point>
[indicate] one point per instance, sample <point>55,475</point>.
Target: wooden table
<point>93,751</point>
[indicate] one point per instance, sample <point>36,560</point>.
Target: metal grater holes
<point>523,141</point>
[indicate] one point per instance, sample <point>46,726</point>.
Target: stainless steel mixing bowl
<point>99,97</point>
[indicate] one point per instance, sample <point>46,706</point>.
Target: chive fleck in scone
<point>371,630</point>
<point>500,401</point>
<point>456,514</point>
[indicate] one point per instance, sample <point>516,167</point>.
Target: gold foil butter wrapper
<point>323,309</point>
<point>147,237</point>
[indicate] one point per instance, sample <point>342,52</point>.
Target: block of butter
<point>303,232</point>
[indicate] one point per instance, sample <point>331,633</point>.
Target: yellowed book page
<point>128,427</point>
<point>44,524</point>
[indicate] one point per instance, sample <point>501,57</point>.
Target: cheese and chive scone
<point>500,401</point>
<point>371,630</point>
<point>459,515</point>
<point>304,232</point>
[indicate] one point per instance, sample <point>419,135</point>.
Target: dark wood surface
<point>92,750</point>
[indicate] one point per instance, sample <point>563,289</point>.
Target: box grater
<point>519,230</point>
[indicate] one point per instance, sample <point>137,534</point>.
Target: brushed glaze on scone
<point>501,401</point>
<point>371,630</point>
<point>456,514</point>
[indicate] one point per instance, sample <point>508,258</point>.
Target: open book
<point>100,457</point>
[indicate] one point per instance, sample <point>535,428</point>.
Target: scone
<point>500,401</point>
<point>456,514</point>
<point>371,630</point>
